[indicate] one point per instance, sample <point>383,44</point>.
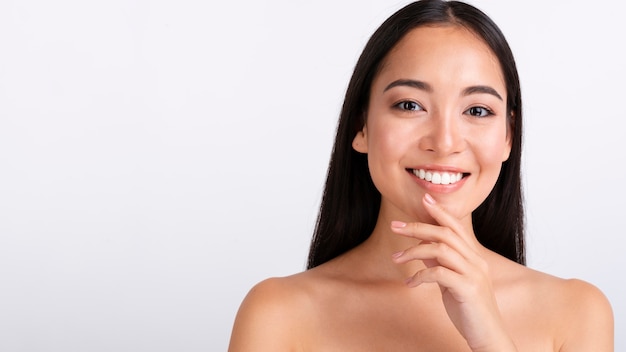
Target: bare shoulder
<point>578,312</point>
<point>578,300</point>
<point>588,318</point>
<point>273,316</point>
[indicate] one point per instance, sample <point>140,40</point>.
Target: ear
<point>509,138</point>
<point>359,143</point>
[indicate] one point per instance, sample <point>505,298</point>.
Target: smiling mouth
<point>438,177</point>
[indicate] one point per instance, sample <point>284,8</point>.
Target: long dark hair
<point>351,202</point>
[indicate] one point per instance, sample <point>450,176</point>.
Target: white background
<point>158,158</point>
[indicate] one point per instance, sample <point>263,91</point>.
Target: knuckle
<point>474,287</point>
<point>443,249</point>
<point>448,232</point>
<point>483,266</point>
<point>416,226</point>
<point>437,271</point>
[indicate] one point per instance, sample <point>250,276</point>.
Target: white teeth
<point>438,178</point>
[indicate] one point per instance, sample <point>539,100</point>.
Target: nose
<point>442,135</point>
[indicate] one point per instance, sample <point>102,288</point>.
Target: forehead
<point>443,53</point>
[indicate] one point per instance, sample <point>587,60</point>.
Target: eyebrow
<point>480,89</point>
<point>409,83</point>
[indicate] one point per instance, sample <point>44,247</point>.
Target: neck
<point>383,243</point>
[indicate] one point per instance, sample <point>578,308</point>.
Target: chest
<point>386,322</point>
<point>363,321</point>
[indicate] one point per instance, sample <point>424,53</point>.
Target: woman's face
<point>436,123</point>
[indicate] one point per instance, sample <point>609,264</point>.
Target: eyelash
<point>402,105</point>
<point>487,111</point>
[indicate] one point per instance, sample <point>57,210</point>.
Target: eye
<point>478,111</point>
<point>409,106</point>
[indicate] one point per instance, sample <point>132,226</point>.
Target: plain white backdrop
<point>158,158</point>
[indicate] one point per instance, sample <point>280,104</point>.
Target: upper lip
<point>439,168</point>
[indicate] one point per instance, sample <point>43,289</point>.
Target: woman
<point>419,241</point>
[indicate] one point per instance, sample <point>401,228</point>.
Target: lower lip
<point>431,187</point>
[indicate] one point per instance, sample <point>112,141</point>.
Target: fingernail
<point>397,255</point>
<point>398,224</point>
<point>429,199</point>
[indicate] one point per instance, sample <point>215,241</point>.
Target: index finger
<point>444,218</point>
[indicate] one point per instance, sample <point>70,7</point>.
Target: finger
<point>441,215</point>
<point>444,218</point>
<point>432,233</point>
<point>437,252</point>
<point>440,275</point>
<point>463,288</point>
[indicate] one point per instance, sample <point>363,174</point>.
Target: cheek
<point>493,149</point>
<point>388,141</point>
<point>380,152</point>
<point>388,144</point>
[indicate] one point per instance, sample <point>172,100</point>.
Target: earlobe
<point>359,143</point>
<point>509,139</point>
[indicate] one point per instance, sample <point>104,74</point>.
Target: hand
<point>453,262</point>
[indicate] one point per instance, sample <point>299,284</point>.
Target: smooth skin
<point>422,281</point>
